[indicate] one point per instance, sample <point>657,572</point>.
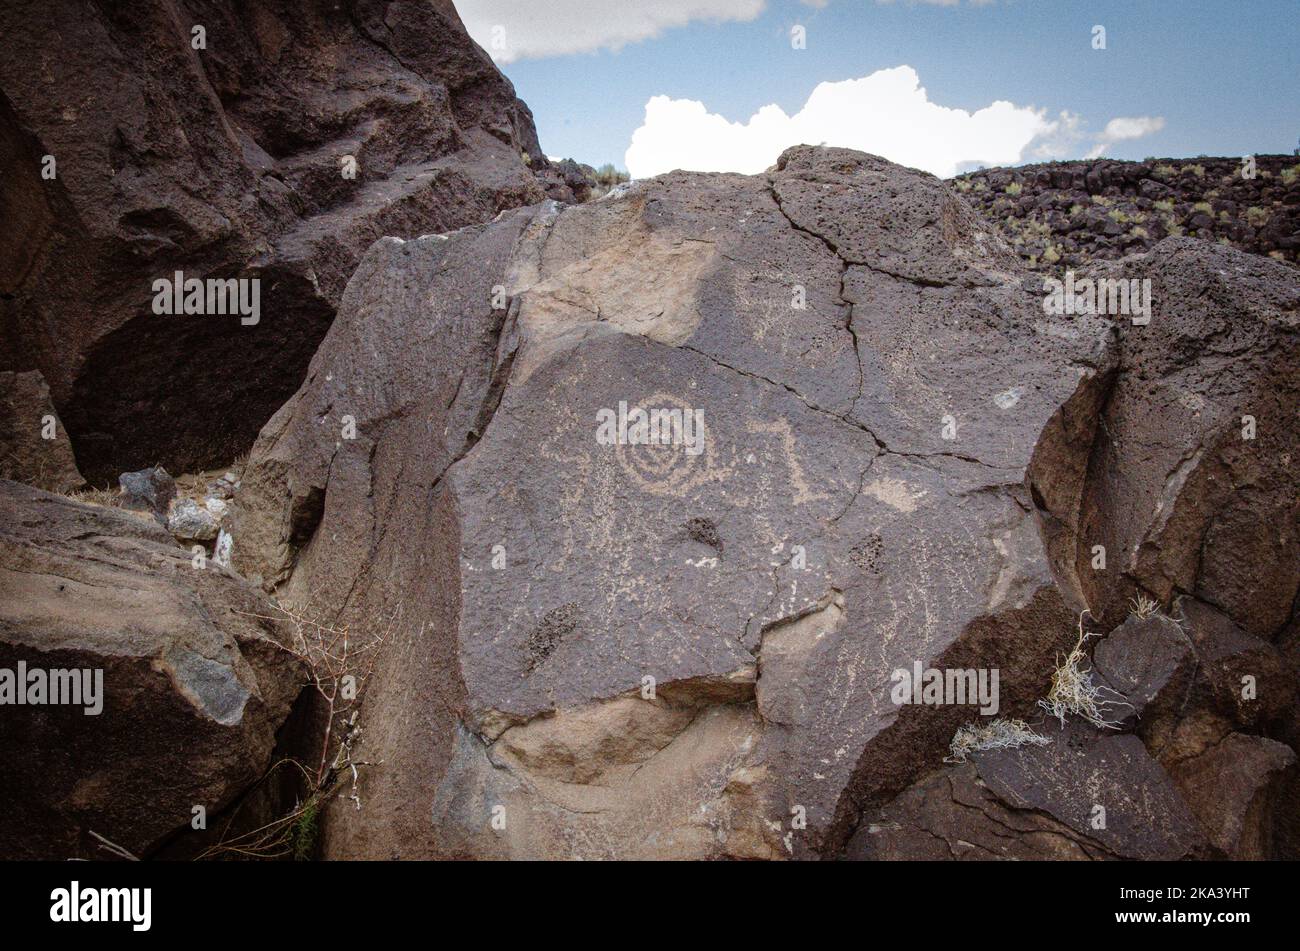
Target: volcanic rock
<point>194,685</point>
<point>1084,795</point>
<point>269,142</point>
<point>1235,789</point>
<point>1124,207</point>
<point>1150,662</point>
<point>1187,482</point>
<point>667,488</point>
<point>34,446</point>
<point>149,490</point>
<point>190,521</point>
<point>854,505</point>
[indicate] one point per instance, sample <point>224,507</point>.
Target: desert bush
<point>338,665</point>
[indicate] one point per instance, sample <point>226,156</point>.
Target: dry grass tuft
<point>1143,607</point>
<point>998,735</point>
<point>1074,692</point>
<point>104,498</point>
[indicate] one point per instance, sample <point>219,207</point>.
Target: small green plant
<point>1051,254</point>
<point>609,176</point>
<point>1197,170</point>
<point>302,831</point>
<point>1014,189</point>
<point>1164,204</point>
<point>1164,171</point>
<point>1204,207</point>
<point>1116,214</point>
<point>1257,217</point>
<point>1289,175</point>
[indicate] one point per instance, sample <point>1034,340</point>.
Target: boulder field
<point>1060,215</point>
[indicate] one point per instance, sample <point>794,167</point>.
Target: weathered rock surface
<point>34,446</point>
<point>1235,789</point>
<point>1084,795</point>
<point>1188,479</point>
<point>222,156</point>
<point>193,686</point>
<point>190,521</point>
<point>825,534</point>
<point>685,647</point>
<point>1151,662</point>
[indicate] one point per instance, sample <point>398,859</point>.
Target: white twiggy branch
<point>113,847</point>
<point>1074,692</point>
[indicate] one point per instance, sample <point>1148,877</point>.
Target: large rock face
<point>189,686</point>
<point>211,138</point>
<point>683,642</point>
<point>1189,479</point>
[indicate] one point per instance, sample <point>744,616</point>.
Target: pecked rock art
<point>666,486</point>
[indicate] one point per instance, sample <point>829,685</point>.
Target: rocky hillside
<point>272,141</point>
<point>1067,214</point>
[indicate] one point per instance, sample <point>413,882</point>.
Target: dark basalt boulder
<point>826,532</point>
<point>214,139</point>
<point>1188,479</point>
<point>149,490</point>
<point>1085,795</point>
<point>187,687</point>
<point>888,455</point>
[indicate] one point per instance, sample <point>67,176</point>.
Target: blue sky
<point>1204,76</point>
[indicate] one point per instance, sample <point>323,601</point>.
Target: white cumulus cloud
<point>1123,128</point>
<point>529,29</point>
<point>887,112</point>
